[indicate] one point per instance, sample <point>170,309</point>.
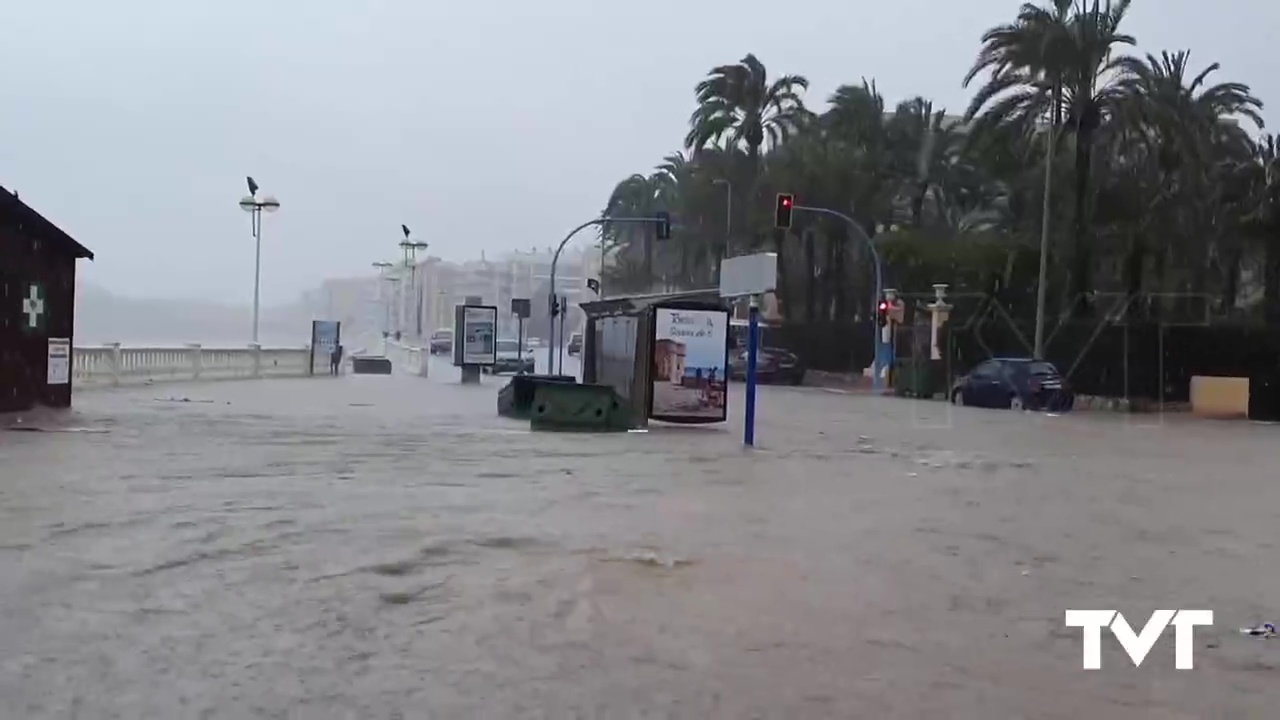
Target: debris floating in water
<point>1265,630</point>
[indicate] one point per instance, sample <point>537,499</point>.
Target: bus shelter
<point>666,355</point>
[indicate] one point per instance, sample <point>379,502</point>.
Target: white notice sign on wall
<point>59,361</point>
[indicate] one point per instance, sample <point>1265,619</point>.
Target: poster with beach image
<point>689,359</point>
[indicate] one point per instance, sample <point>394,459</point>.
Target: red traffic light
<point>782,212</point>
<point>884,305</point>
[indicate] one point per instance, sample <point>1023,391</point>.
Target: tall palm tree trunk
<point>1081,280</point>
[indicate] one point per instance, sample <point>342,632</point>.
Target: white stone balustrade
<point>407,358</point>
<point>107,365</point>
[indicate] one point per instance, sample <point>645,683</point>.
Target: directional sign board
<point>749,275</point>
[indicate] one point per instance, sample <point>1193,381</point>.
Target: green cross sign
<point>33,307</point>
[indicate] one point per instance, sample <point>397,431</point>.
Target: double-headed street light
<point>383,267</point>
<point>410,249</point>
<point>255,205</point>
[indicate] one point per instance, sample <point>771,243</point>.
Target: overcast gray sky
<point>491,125</point>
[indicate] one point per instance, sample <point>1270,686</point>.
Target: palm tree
<point>1187,134</point>
<point>738,104</point>
<point>636,196</point>
<point>739,107</point>
<point>1055,64</point>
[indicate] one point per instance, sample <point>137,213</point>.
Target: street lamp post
<point>555,259</point>
<point>410,249</point>
<point>255,206</point>
<point>385,295</point>
<point>1044,242</point>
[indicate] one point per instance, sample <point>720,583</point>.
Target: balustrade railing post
<point>255,350</point>
<point>115,363</point>
<point>197,360</point>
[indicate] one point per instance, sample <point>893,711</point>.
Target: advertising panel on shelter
<point>476,331</point>
<point>690,357</point>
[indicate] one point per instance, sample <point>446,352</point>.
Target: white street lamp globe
<point>270,203</point>
<point>247,203</point>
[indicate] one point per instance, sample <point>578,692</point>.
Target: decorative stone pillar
<point>940,311</point>
<point>197,363</point>
<point>115,363</point>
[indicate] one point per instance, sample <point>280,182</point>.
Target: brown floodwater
<point>386,547</point>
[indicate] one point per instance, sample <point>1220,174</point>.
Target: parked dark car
<point>1014,383</point>
<point>575,344</point>
<point>511,358</point>
<point>442,342</point>
<point>773,364</point>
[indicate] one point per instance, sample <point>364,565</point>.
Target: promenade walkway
<point>386,547</point>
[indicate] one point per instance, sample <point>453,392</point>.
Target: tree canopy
<point>1162,185</point>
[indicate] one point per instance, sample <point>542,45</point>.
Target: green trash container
<point>516,399</point>
<point>917,378</point>
<point>578,407</point>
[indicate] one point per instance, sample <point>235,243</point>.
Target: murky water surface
<point>388,548</point>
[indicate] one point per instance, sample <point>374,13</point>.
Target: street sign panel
<point>749,275</point>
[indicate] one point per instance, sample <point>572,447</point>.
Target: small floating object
<point>1266,630</point>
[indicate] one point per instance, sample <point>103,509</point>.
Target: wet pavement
<point>386,547</point>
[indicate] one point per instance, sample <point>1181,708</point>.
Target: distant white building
<point>417,299</point>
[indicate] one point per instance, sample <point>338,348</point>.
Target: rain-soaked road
<point>374,547</point>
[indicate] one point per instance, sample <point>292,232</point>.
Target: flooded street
<point>386,547</point>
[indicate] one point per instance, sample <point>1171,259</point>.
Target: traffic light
<point>664,225</point>
<point>882,313</point>
<point>782,213</point>
<point>555,306</point>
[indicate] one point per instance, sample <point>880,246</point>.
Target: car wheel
<point>1015,403</point>
<point>957,397</point>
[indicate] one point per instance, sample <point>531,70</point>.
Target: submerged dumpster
<point>368,365</point>
<point>576,406</point>
<point>516,399</point>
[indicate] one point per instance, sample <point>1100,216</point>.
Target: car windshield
<point>508,346</point>
<point>442,334</point>
<point>738,336</point>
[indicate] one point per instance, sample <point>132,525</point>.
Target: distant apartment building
<point>415,300</point>
<point>352,301</point>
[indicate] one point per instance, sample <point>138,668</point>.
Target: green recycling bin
<point>917,378</point>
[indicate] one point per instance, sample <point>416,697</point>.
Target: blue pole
<point>753,339</point>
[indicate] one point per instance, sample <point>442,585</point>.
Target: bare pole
<point>257,265</point>
<point>1042,284</point>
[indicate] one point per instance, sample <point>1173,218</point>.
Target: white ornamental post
<point>115,363</point>
<point>940,311</point>
<point>255,350</point>
<point>196,364</point>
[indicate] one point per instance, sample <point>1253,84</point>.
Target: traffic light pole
<point>876,363</point>
<point>555,260</point>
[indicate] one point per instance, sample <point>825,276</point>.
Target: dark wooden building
<point>37,307</point>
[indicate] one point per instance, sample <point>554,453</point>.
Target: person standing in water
<point>335,360</point>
